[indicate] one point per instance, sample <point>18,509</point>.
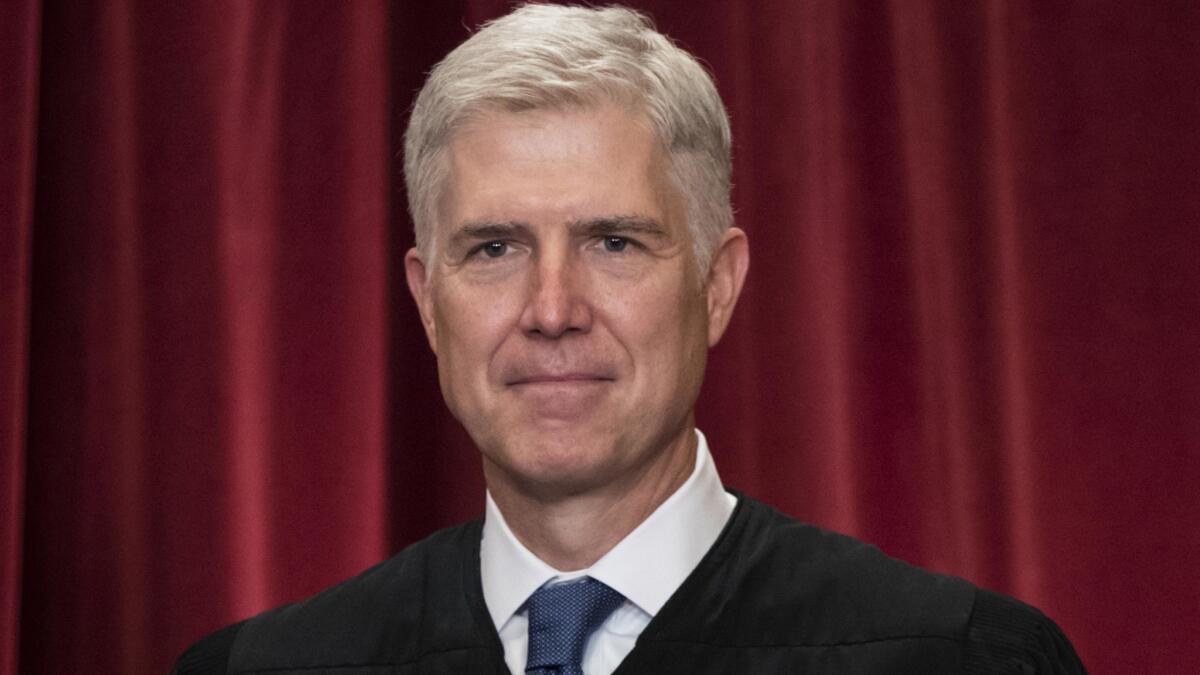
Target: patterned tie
<point>560,620</point>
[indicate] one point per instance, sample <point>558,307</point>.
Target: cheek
<point>658,323</point>
<point>470,328</point>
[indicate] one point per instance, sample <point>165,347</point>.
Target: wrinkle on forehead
<point>500,143</point>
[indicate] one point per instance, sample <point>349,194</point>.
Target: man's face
<point>569,320</point>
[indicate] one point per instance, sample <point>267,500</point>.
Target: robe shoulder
<point>771,579</point>
<point>1006,635</point>
<point>383,616</point>
<point>210,654</point>
<point>810,597</point>
<point>772,595</point>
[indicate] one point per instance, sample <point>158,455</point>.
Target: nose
<point>557,303</point>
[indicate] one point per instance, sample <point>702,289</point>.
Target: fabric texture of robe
<point>772,596</point>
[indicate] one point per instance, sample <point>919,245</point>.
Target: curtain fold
<point>20,45</point>
<point>969,333</point>
<point>209,321</point>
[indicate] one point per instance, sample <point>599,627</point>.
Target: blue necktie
<point>561,618</point>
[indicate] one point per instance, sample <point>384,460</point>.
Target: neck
<point>572,532</point>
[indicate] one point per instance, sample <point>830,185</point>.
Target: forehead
<point>555,164</point>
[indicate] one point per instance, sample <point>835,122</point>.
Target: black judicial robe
<point>772,596</point>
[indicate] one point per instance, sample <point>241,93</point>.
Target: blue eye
<point>495,249</point>
<point>615,244</point>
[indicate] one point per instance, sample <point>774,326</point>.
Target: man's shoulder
<point>774,581</point>
<point>811,585</point>
<point>375,616</point>
<point>1004,631</point>
<point>210,654</point>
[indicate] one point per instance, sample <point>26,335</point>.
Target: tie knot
<point>561,617</point>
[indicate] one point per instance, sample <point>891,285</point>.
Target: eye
<point>494,249</point>
<point>615,244</point>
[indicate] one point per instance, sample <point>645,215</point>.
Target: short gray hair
<point>560,57</point>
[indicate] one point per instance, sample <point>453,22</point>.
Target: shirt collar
<point>675,537</point>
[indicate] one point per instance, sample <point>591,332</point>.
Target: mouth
<point>560,398</point>
<point>558,384</point>
<point>560,379</point>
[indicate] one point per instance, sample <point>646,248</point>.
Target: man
<point>568,173</point>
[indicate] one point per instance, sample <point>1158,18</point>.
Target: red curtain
<point>971,332</point>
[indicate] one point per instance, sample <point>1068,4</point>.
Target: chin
<point>559,466</point>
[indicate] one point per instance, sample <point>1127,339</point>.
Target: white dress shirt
<point>646,567</point>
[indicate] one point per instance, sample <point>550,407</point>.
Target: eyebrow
<point>487,229</point>
<point>484,230</point>
<point>606,225</point>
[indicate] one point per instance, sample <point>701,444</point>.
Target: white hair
<point>560,57</point>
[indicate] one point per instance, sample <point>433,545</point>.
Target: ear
<point>726,275</point>
<point>418,284</point>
